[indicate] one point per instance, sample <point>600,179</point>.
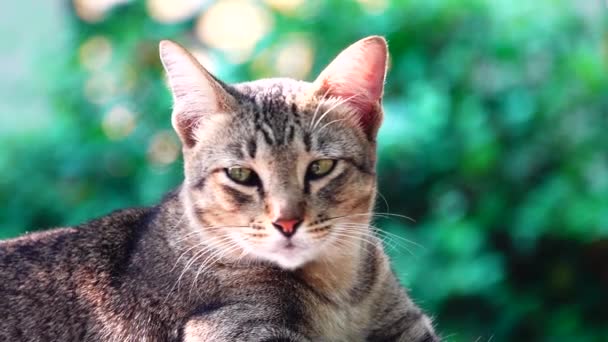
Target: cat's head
<point>278,169</point>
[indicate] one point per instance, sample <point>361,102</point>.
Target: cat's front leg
<point>239,323</point>
<point>412,326</point>
<point>397,319</point>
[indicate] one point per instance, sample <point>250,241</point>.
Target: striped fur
<point>207,264</point>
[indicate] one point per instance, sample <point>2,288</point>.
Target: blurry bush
<point>494,142</point>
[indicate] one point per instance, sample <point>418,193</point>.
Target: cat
<point>267,239</point>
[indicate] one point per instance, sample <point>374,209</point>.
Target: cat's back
<point>32,255</point>
<point>46,277</point>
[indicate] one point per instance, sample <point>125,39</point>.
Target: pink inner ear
<point>357,74</point>
<point>185,126</point>
<point>359,100</point>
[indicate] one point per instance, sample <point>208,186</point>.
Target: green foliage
<point>494,142</point>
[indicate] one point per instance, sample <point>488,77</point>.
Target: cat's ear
<point>357,76</point>
<point>196,93</point>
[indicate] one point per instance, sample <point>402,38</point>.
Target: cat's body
<point>276,248</point>
<point>114,279</point>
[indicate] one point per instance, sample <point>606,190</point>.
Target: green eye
<point>242,175</point>
<point>320,168</point>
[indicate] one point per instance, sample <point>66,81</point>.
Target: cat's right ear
<point>356,76</point>
<point>196,93</point>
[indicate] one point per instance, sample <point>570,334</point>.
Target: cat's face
<point>280,170</point>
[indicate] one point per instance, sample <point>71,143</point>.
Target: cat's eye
<point>320,168</point>
<point>242,175</point>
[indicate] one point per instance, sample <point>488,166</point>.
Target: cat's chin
<point>290,260</point>
<point>290,265</point>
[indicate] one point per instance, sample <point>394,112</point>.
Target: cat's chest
<point>315,302</point>
<point>340,320</point>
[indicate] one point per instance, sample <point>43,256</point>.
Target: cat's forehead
<point>273,89</point>
<point>272,109</point>
<point>274,119</point>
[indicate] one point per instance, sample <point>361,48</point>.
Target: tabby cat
<point>267,239</point>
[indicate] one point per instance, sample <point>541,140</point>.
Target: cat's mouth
<point>290,255</point>
<point>287,245</point>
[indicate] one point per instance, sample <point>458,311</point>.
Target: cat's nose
<point>287,227</point>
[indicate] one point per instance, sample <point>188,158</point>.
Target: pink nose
<point>287,227</point>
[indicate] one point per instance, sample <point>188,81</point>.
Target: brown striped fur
<point>207,263</point>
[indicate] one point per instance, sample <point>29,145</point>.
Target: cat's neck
<point>338,273</point>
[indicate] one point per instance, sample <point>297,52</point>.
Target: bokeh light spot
<point>94,10</point>
<point>95,53</point>
<point>172,11</point>
<point>118,123</point>
<point>163,149</point>
<point>285,6</point>
<point>295,58</point>
<point>234,26</point>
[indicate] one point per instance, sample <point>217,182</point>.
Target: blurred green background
<point>495,139</point>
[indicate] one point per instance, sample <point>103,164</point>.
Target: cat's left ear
<point>357,76</point>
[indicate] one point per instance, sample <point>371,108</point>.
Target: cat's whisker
<point>208,246</point>
<point>181,219</point>
<point>372,214</point>
<point>387,236</point>
<point>200,231</point>
<point>218,246</point>
<point>392,244</point>
<point>334,106</point>
<point>385,241</point>
<point>201,243</point>
<point>388,209</point>
<point>318,106</point>
<point>212,259</point>
<point>185,269</point>
<point>383,231</point>
<point>242,255</point>
<point>350,245</point>
<point>191,261</point>
<point>206,242</point>
<point>318,228</point>
<point>222,250</point>
<point>396,236</point>
<point>367,238</point>
<point>400,238</point>
<point>329,123</point>
<point>337,104</point>
<point>354,243</point>
<point>395,245</point>
<point>320,235</point>
<point>447,337</point>
<point>387,215</point>
<point>369,214</point>
<point>337,231</point>
<point>186,237</point>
